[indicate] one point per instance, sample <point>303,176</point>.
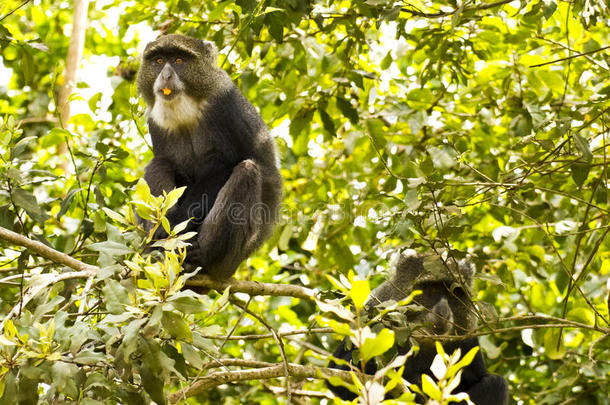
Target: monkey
<point>446,300</point>
<point>207,137</point>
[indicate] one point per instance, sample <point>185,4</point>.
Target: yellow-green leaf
<point>359,293</point>
<point>428,385</point>
<point>374,346</point>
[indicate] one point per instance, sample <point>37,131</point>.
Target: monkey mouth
<point>167,93</point>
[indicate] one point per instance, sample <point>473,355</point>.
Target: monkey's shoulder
<point>231,110</point>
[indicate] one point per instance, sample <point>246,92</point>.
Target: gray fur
<point>208,137</point>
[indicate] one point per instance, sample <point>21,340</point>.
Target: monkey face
<point>443,305</point>
<point>177,77</point>
<point>168,84</point>
<point>176,64</point>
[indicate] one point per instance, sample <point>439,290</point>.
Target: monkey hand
<point>194,253</point>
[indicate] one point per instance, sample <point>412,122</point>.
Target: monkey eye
<point>159,61</point>
<point>179,60</point>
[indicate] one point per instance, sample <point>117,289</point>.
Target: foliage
<point>473,128</point>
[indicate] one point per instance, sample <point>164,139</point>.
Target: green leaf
<point>553,344</point>
<point>115,215</point>
<point>89,358</point>
<point>337,309</point>
<point>66,202</point>
<point>111,248</point>
<point>386,62</point>
<point>300,123</point>
<point>443,157</point>
<point>327,122</point>
<point>27,201</point>
<point>375,346</point>
<point>429,387</point>
<point>63,378</point>
<point>96,380</point>
<point>464,361</point>
<point>153,385</point>
<point>176,326</point>
<point>521,126</point>
<point>143,191</point>
<point>583,146</point>
<point>276,26</point>
<point>22,145</point>
<point>27,65</point>
<point>191,355</point>
<point>348,110</point>
<point>187,302</point>
<point>115,297</point>
<point>173,196</point>
<point>9,386</point>
<point>580,172</point>
<point>420,99</point>
<point>55,137</point>
<point>94,103</point>
<point>359,293</point>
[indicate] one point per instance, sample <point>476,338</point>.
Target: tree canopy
<point>463,129</point>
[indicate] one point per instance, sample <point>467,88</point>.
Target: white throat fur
<point>180,112</point>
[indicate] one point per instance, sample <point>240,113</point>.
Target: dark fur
<point>226,159</point>
<point>446,299</point>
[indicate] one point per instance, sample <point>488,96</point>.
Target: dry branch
<point>75,53</point>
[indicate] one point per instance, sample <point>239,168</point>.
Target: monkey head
<point>446,300</point>
<point>177,75</point>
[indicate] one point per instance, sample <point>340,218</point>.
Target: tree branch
<point>296,370</point>
<point>84,270</point>
<point>418,13</point>
<point>253,287</point>
<point>269,335</point>
<point>46,252</point>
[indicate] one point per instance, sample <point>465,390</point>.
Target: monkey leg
<point>233,227</point>
<point>491,390</point>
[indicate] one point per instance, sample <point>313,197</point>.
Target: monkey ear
<point>467,269</point>
<point>409,266</point>
<point>211,52</point>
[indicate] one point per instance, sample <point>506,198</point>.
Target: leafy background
<point>472,128</point>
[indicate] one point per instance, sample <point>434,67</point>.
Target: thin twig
<point>12,11</point>
<point>571,57</point>
<point>276,337</point>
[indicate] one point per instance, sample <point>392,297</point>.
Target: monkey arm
<point>160,176</point>
<point>482,387</point>
<point>492,389</point>
<point>234,225</point>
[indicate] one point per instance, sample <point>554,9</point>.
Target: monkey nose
<point>442,309</point>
